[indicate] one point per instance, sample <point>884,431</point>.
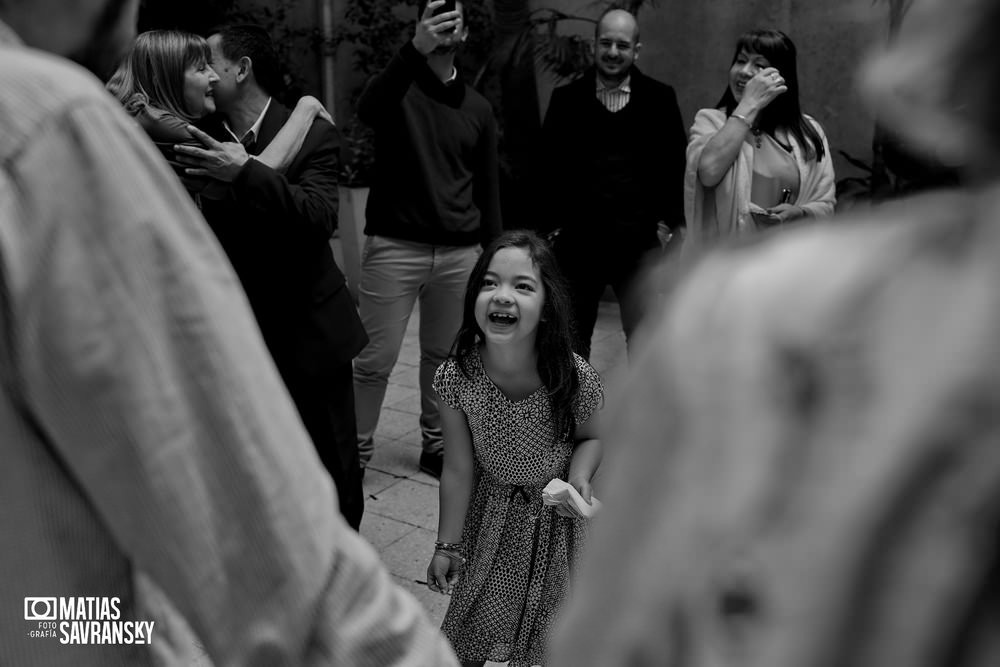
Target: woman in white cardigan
<point>756,161</point>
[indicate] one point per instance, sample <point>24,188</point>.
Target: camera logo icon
<point>40,609</point>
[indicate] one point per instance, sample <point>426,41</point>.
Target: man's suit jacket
<point>630,164</point>
<point>276,229</point>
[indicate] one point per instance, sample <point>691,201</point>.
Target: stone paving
<point>401,505</point>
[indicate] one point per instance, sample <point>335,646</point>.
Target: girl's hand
<point>442,573</point>
<point>567,509</point>
<point>583,487</point>
<point>787,212</point>
<point>761,90</point>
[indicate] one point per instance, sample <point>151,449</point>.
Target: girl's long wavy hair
<point>553,341</point>
<point>784,111</point>
<point>152,71</point>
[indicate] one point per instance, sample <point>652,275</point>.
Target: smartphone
<point>448,6</point>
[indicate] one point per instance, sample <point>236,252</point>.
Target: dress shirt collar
<point>625,86</point>
<point>251,134</point>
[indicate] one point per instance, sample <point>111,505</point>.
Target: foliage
<point>376,29</point>
<point>197,16</point>
<point>566,55</point>
<point>359,148</point>
<point>855,190</point>
<point>878,182</point>
<point>563,55</point>
<point>904,171</point>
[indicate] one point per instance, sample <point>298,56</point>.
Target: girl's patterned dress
<point>519,551</point>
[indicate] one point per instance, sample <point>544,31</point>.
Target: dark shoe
<point>430,463</point>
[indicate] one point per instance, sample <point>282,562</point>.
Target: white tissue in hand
<point>558,492</point>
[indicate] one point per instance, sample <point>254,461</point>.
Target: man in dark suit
<point>615,135</point>
<point>275,227</point>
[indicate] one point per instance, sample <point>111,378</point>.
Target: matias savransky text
<point>84,620</point>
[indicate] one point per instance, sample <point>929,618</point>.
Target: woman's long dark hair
<point>784,111</point>
<point>553,342</point>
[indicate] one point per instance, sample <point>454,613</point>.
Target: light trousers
<point>394,274</point>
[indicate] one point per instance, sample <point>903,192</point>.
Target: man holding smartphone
<point>447,7</point>
<point>434,201</point>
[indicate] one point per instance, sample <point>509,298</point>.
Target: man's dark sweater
<point>436,171</point>
<point>613,176</point>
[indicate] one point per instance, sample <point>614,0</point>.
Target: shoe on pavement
<point>430,463</point>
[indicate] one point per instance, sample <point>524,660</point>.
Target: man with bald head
<point>615,135</point>
<point>149,447</point>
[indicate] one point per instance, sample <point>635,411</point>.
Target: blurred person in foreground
<point>806,467</point>
<point>756,161</point>
<point>144,431</point>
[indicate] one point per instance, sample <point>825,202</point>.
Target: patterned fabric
<point>615,98</point>
<point>520,553</point>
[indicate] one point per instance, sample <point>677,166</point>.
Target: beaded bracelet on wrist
<point>448,546</point>
<point>451,555</point>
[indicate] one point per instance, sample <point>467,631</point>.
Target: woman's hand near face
<point>762,89</point>
<point>722,149</point>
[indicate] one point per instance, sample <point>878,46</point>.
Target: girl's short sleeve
<point>448,379</point>
<point>591,393</point>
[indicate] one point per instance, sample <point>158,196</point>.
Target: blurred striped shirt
<point>145,435</point>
